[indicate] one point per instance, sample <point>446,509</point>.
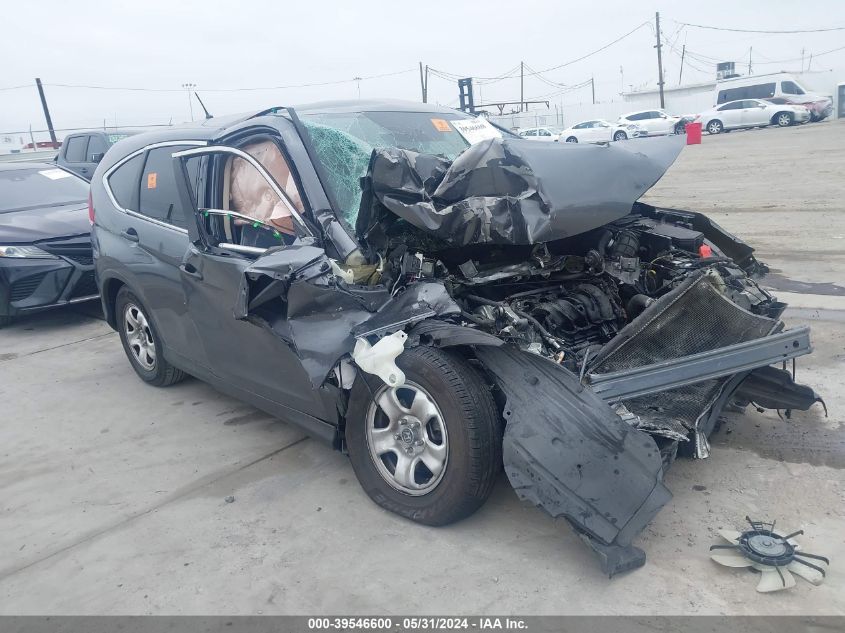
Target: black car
<point>81,151</point>
<point>435,297</point>
<point>45,239</point>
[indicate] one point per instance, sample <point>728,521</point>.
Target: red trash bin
<point>693,133</point>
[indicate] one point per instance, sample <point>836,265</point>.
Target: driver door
<point>243,353</point>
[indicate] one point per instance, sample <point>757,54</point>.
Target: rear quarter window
<point>124,182</point>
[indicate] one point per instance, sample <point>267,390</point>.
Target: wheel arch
<point>108,296</point>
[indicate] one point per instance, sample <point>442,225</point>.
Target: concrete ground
<point>113,494</point>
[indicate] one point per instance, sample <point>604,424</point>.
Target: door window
<point>97,145</point>
<point>734,105</point>
<point>251,195</point>
<point>159,197</point>
<point>75,150</point>
<point>544,133</point>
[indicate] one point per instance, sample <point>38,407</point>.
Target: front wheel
<point>572,139</point>
<point>620,136</point>
<point>429,450</point>
<point>783,119</point>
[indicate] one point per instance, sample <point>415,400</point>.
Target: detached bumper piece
<point>566,451</point>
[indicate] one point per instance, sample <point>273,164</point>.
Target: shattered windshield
<point>344,142</point>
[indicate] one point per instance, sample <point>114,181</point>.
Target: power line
<point>246,89</point>
<point>512,73</point>
<point>598,50</point>
<point>17,87</point>
<point>723,28</point>
<point>796,59</point>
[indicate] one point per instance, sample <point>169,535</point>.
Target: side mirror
<point>96,158</point>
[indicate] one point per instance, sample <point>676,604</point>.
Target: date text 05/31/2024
<point>417,623</point>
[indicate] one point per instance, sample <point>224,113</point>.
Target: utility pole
<point>522,84</point>
<point>750,48</point>
<point>47,112</point>
<point>593,88</point>
<point>802,60</point>
<point>809,62</point>
<point>188,87</point>
<point>681,74</point>
<point>424,82</point>
<point>659,58</point>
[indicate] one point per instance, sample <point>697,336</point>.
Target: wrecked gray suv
<point>436,297</point>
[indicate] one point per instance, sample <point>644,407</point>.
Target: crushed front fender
<point>566,451</point>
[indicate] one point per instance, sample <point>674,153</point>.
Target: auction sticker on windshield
<point>475,130</point>
<point>441,125</point>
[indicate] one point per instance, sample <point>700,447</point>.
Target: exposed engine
<point>563,298</point>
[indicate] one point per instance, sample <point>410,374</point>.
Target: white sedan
<point>751,113</point>
<point>545,133</point>
<point>599,131</point>
<point>653,122</point>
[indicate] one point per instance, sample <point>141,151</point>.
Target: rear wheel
<point>784,119</point>
<point>715,127</point>
<point>572,139</point>
<point>429,450</point>
<point>620,136</point>
<point>142,343</point>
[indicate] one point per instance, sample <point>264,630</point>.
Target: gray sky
<point>257,43</point>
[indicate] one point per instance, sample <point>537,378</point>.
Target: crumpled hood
<point>44,223</point>
<point>513,191</point>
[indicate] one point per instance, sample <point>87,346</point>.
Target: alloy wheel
<point>139,336</point>
<point>407,438</point>
<point>783,120</point>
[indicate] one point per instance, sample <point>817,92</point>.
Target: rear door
<point>154,237</point>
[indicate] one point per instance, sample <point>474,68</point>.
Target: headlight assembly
<point>25,252</point>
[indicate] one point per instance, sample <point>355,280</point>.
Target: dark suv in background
<point>80,152</point>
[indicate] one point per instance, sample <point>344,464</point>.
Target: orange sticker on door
<point>151,180</point>
<point>441,125</point>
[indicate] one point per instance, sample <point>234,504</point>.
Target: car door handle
<point>130,234</point>
<point>190,270</point>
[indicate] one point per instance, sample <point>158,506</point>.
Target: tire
<point>464,421</point>
<point>715,127</point>
<point>136,330</point>
<point>571,139</point>
<point>783,119</point>
<point>620,136</point>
